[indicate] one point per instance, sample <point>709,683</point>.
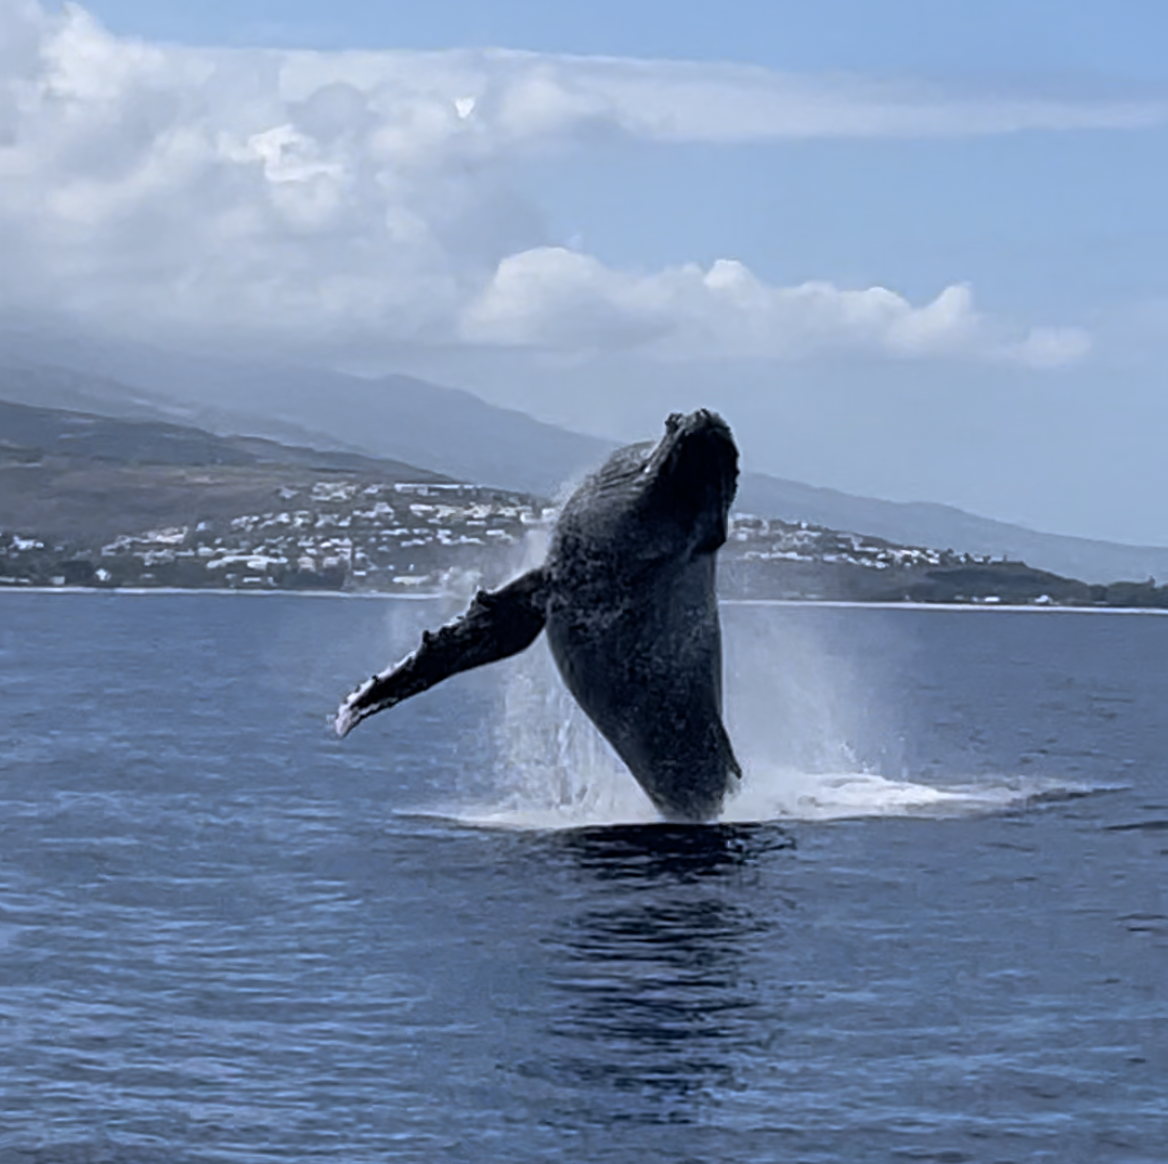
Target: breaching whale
<point>627,595</point>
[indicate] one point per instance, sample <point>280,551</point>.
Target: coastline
<point>971,607</point>
<point>369,595</point>
<point>146,591</point>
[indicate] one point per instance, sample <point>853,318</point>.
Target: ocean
<point>932,926</point>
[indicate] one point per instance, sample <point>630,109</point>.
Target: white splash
<point>554,769</point>
<point>792,711</point>
<point>778,794</point>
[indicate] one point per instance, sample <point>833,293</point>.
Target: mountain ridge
<point>453,432</point>
<point>66,474</point>
<point>113,503</point>
<point>87,500</point>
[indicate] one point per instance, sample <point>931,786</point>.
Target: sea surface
<point>932,926</point>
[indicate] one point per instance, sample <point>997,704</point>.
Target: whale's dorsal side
<point>498,624</point>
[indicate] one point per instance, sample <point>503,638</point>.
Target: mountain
<point>84,390</point>
<point>37,432</point>
<point>447,430</point>
<point>74,475</point>
<point>88,500</point>
<point>943,526</point>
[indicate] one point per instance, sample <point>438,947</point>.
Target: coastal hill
<point>84,477</point>
<point>98,501</point>
<point>94,500</point>
<point>452,432</point>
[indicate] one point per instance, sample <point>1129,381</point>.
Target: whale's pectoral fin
<point>497,624</point>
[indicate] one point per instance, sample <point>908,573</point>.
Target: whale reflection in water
<point>657,1005</point>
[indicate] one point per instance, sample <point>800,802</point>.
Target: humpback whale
<point>627,597</point>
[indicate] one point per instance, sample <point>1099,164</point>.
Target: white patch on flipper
<point>348,714</point>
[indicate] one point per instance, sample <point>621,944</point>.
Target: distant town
<point>96,502</point>
<point>428,538</point>
<point>329,535</point>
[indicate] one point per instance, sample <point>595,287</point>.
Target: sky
<point>911,250</point>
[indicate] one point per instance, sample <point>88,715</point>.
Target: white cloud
<point>526,96</point>
<point>310,198</point>
<point>555,298</point>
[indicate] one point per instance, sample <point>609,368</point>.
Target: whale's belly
<point>644,661</point>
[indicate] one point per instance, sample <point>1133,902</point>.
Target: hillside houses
<point>327,535</point>
<point>425,538</point>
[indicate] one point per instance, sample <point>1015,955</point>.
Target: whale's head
<point>692,476</point>
<point>654,501</point>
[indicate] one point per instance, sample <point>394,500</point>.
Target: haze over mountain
<point>454,432</point>
<point>443,429</point>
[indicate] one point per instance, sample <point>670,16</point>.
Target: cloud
<point>322,198</point>
<point>553,298</point>
<point>527,96</point>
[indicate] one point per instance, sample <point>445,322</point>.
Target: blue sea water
<point>932,927</point>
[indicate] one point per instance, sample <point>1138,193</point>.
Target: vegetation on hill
<point>87,500</point>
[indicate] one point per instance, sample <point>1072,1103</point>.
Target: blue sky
<point>975,188</point>
<point>1030,39</point>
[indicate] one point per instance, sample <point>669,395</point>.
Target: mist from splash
<point>553,769</point>
<point>813,740</point>
<point>794,712</point>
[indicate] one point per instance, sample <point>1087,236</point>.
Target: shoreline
<point>369,595</point>
<point>146,591</point>
<point>979,607</point>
